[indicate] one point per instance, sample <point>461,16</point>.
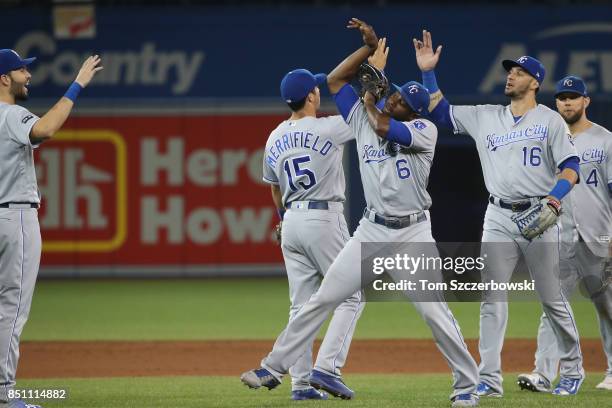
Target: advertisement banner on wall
<point>226,53</point>
<point>157,193</point>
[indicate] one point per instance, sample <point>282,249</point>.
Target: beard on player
<point>571,117</point>
<point>18,89</point>
<point>514,90</point>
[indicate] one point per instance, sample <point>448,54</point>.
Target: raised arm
<point>378,120</point>
<point>347,69</point>
<point>427,59</point>
<point>53,120</point>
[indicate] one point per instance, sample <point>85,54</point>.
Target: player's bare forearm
<point>52,121</point>
<point>569,175</point>
<point>347,69</point>
<point>276,195</point>
<point>434,99</point>
<point>378,120</point>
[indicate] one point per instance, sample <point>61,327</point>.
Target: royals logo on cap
<point>533,66</point>
<point>571,84</point>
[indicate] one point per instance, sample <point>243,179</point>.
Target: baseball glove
<point>373,80</point>
<point>538,218</point>
<point>278,232</point>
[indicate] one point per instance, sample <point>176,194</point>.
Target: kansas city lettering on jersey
<point>373,154</point>
<point>593,155</point>
<point>297,140</point>
<point>533,132</point>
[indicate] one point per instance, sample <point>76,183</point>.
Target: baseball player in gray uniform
<point>586,226</point>
<point>20,243</point>
<point>396,148</point>
<point>520,145</point>
<point>303,164</point>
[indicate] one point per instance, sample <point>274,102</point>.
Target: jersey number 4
<point>592,179</point>
<point>299,171</point>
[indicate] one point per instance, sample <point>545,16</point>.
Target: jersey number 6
<point>402,171</point>
<point>299,171</point>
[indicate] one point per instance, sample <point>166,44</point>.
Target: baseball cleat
<point>308,394</point>
<point>606,384</point>
<point>333,385</point>
<point>567,386</point>
<point>465,400</point>
<point>485,390</point>
<point>17,403</point>
<point>259,378</point>
<point>533,382</point>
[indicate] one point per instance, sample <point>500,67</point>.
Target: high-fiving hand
<point>88,70</point>
<point>367,32</point>
<point>426,58</point>
<point>379,58</point>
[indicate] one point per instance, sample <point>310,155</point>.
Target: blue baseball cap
<point>529,64</point>
<point>297,84</point>
<point>415,95</point>
<point>571,84</point>
<point>10,61</point>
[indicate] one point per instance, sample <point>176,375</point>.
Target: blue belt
<point>395,222</point>
<point>313,205</point>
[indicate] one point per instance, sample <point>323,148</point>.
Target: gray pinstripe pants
<point>311,241</point>
<point>20,248</point>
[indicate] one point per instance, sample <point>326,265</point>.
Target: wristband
<point>281,213</point>
<point>73,91</point>
<point>429,81</point>
<point>561,189</point>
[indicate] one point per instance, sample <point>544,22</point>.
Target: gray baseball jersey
<point>394,179</point>
<point>394,182</point>
<point>20,242</point>
<point>305,158</point>
<point>519,158</point>
<point>17,172</point>
<point>588,208</point>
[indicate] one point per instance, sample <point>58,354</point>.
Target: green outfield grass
<point>201,309</point>
<point>373,391</point>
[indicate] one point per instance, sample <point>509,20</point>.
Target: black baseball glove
<point>373,80</point>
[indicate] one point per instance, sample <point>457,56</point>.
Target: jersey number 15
<point>299,171</point>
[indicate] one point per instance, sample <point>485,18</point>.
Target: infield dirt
<point>78,359</point>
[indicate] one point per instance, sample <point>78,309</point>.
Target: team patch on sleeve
<point>419,125</point>
<point>27,118</point>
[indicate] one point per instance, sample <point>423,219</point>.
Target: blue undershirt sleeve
<point>441,115</point>
<point>399,133</point>
<point>573,163</point>
<point>345,100</point>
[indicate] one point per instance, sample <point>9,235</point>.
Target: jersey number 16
<point>299,171</point>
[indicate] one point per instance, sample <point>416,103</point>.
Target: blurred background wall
<point>158,171</point>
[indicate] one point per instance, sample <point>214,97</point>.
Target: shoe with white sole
<point>606,384</point>
<point>533,382</point>
<point>568,386</point>
<point>485,390</point>
<point>465,400</point>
